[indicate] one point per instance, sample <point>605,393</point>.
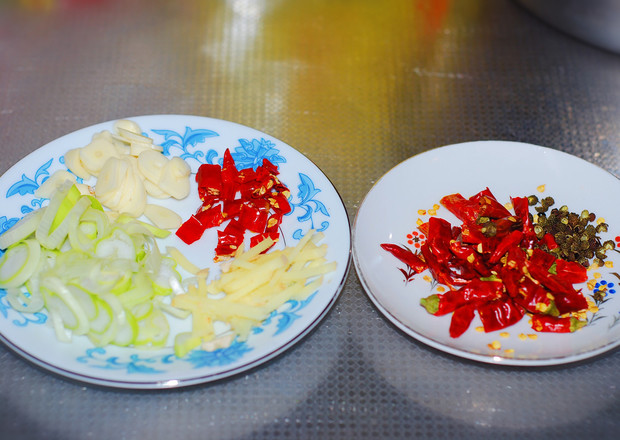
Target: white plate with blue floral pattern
<point>410,193</point>
<point>315,204</point>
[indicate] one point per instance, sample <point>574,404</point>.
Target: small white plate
<point>315,202</point>
<point>391,209</point>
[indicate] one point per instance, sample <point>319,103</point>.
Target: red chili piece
<point>253,200</point>
<point>553,324</point>
<point>406,256</point>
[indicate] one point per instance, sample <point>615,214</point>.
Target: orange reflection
<point>433,13</point>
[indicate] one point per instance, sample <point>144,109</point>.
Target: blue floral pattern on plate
<point>197,140</point>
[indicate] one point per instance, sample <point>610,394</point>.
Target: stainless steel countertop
<point>356,86</point>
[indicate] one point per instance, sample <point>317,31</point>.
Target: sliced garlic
<point>175,178</point>
<point>74,163</point>
<point>128,125</point>
<point>129,136</point>
<point>129,168</point>
<point>155,191</point>
<point>110,182</point>
<point>162,217</point>
<point>94,155</point>
<point>151,164</point>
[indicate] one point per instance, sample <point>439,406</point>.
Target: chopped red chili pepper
<point>211,217</point>
<point>253,200</point>
<point>270,167</point>
<point>210,178</point>
<point>191,230</point>
<point>253,218</point>
<point>279,203</point>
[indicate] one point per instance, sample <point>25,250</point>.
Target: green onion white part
<point>102,279</point>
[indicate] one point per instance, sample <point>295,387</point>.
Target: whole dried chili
<point>476,292</point>
<point>534,298</point>
<point>567,324</point>
<point>499,314</point>
<point>571,271</point>
<point>253,200</point>
<point>508,242</point>
<point>461,320</point>
<point>406,256</point>
<point>469,257</point>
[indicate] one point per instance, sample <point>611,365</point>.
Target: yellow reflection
<point>38,5</point>
<point>330,76</point>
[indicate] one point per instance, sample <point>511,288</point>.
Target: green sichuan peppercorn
<point>574,233</point>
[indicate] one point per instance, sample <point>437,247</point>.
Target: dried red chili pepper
<point>462,208</point>
<point>470,258</point>
<point>461,320</point>
<point>509,241</point>
<point>534,298</point>
<point>472,234</point>
<point>549,241</point>
<point>476,292</point>
<point>511,279</point>
<point>544,323</point>
<point>499,314</point>
<point>570,301</point>
<point>435,305</point>
<point>451,275</point>
<point>406,256</point>
<point>571,271</point>
<point>494,263</point>
<point>438,239</point>
<point>490,207</point>
<point>551,281</point>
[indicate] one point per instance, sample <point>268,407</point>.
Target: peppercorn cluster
<point>575,234</point>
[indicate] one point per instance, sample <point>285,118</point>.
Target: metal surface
<point>357,86</point>
<point>594,21</point>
